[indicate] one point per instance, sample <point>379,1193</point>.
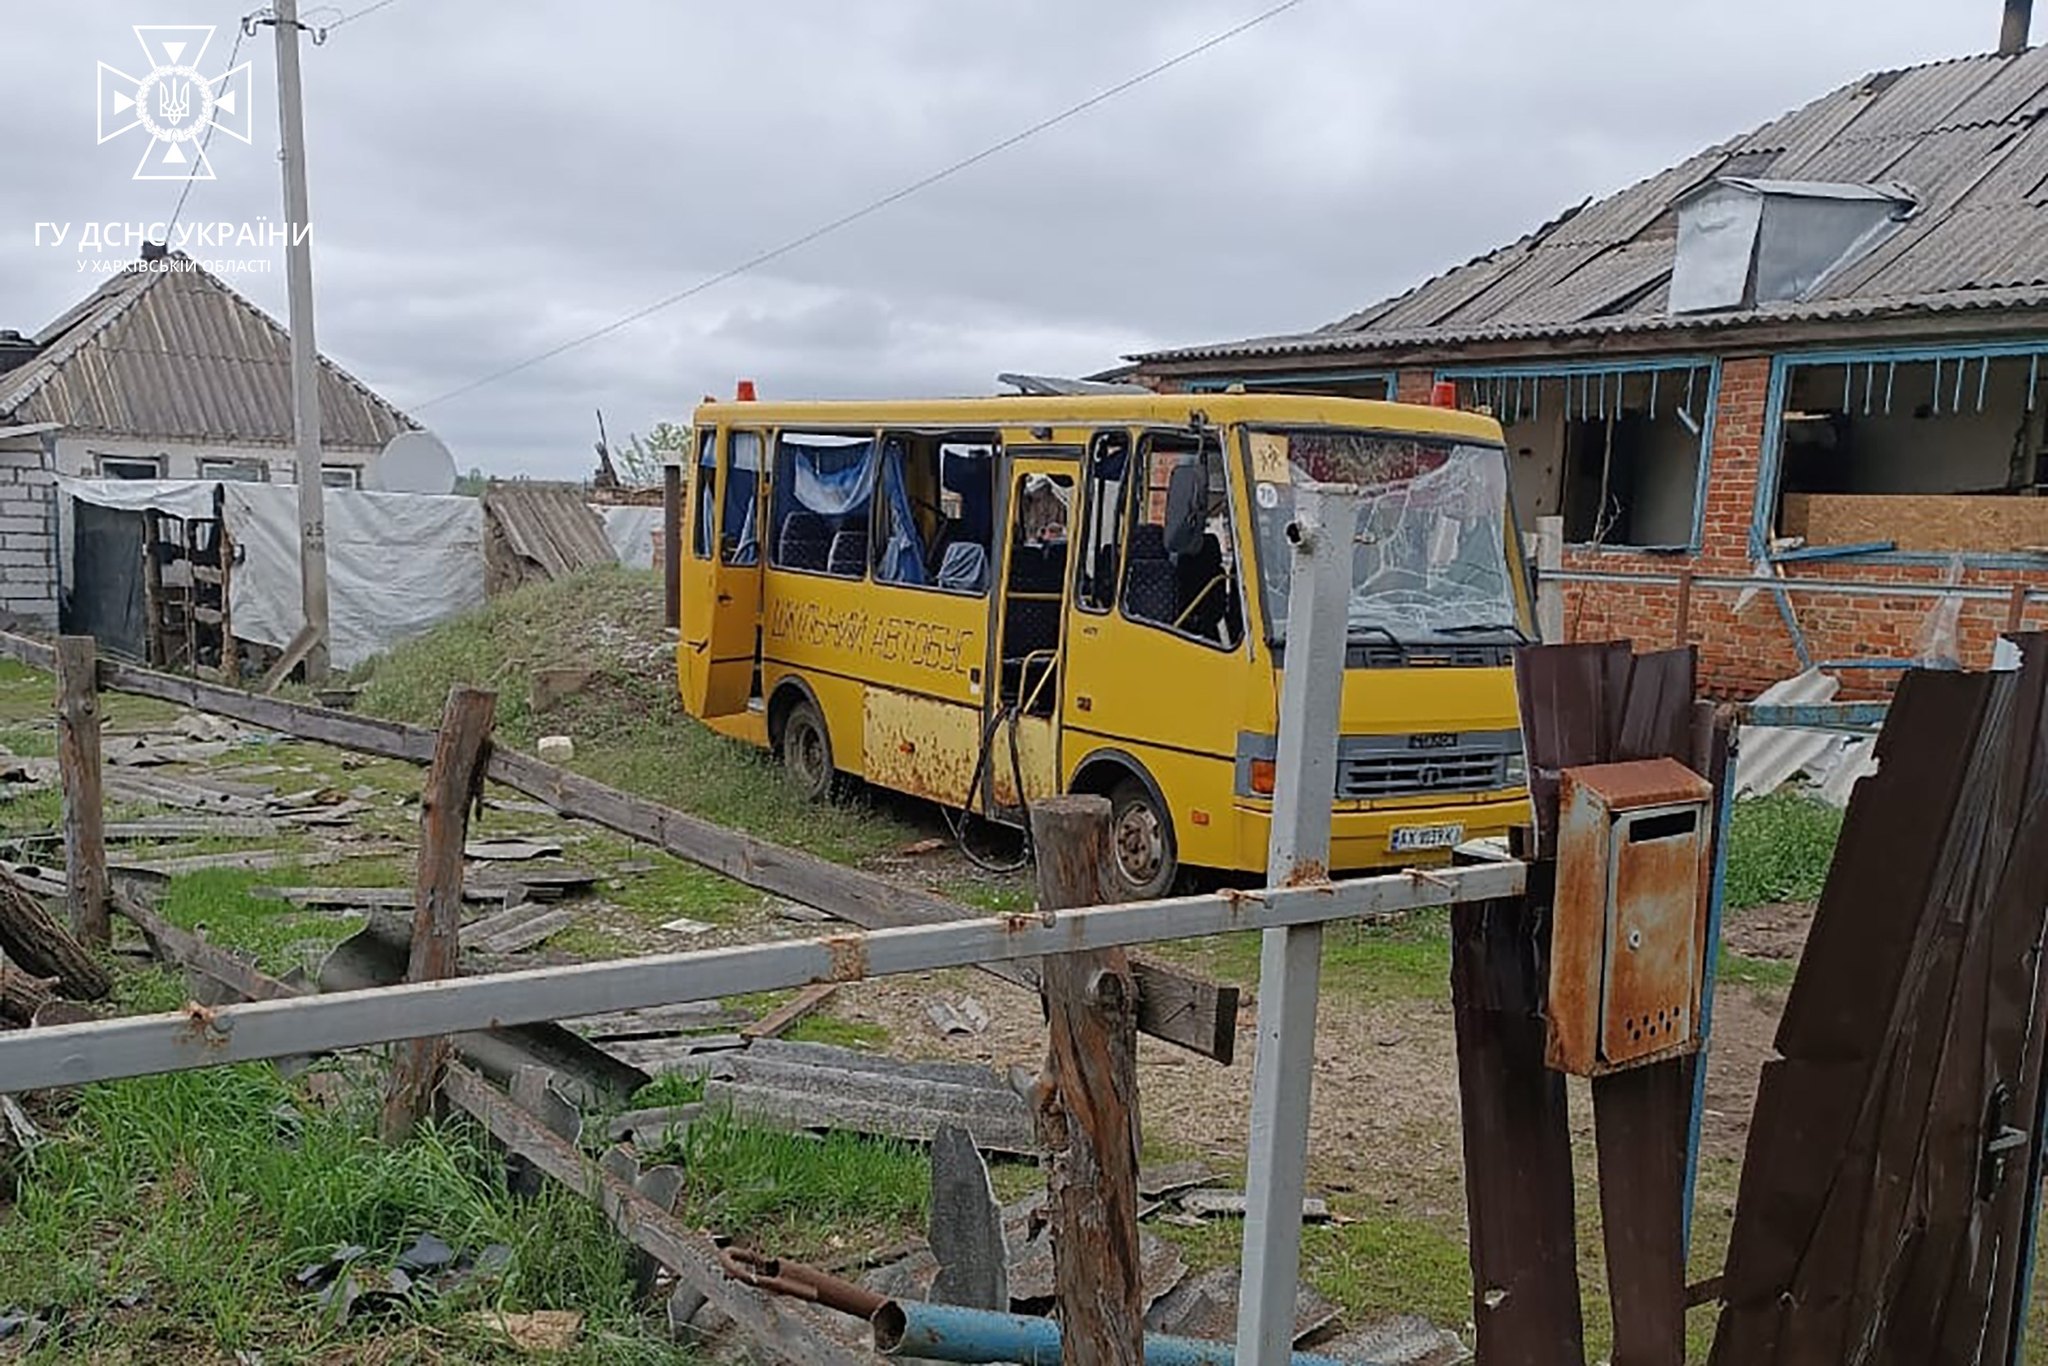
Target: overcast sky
<point>490,180</point>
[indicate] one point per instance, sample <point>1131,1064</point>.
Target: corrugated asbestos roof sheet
<point>178,354</point>
<point>537,532</point>
<point>1967,137</point>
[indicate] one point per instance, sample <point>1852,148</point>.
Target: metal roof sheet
<point>1966,136</point>
<point>179,354</point>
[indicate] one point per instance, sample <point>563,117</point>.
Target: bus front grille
<point>1419,773</point>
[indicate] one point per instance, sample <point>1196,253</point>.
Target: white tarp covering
<point>186,498</point>
<point>396,564</point>
<point>631,533</point>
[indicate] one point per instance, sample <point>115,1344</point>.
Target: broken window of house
<point>1928,452</point>
<point>236,471</point>
<point>1617,451</point>
<point>130,466</point>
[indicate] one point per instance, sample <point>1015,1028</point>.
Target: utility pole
<point>291,123</point>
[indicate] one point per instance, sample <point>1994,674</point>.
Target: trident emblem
<point>174,100</point>
<point>175,103</point>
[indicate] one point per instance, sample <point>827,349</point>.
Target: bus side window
<point>936,510</point>
<point>741,541</point>
<point>822,496</point>
<point>707,493</point>
<point>1180,570</point>
<point>1109,459</point>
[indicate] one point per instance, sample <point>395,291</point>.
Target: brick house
<point>1809,356</point>
<point>158,374</point>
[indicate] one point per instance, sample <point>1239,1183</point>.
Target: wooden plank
<point>1640,1120</point>
<point>32,938</point>
<point>1174,1006</point>
<point>1921,521</point>
<point>454,784</point>
<point>1517,1144</point>
<point>776,1022</point>
<point>1088,1101</point>
<point>672,544</point>
<point>771,1325</point>
<point>1642,1117</point>
<point>78,763</point>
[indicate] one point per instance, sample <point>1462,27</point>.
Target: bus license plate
<point>1409,838</point>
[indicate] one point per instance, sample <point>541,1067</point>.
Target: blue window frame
<point>1962,418</point>
<point>1620,448</point>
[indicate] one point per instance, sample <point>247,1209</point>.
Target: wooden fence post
<point>672,545</point>
<point>454,783</point>
<point>1088,1101</point>
<point>78,761</point>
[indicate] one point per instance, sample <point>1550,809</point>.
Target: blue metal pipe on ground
<point>945,1332</point>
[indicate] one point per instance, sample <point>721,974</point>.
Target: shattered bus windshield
<point>1431,561</point>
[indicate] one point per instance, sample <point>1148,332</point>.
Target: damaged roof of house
<point>178,354</point>
<point>1966,136</point>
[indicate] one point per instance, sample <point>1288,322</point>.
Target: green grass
<point>1779,848</point>
<point>628,725</point>
<point>803,1196</point>
<point>834,1029</point>
<point>204,1191</point>
<point>32,812</point>
<point>1773,973</point>
<point>1403,960</point>
<point>223,903</point>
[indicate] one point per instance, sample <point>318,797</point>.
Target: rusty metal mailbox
<point>1633,864</point>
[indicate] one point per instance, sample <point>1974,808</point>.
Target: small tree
<point>639,459</point>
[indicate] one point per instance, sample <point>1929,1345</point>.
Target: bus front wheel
<point>807,751</point>
<point>1141,838</point>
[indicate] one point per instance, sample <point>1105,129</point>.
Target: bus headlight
<point>1517,770</point>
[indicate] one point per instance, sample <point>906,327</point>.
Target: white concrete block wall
<point>28,538</point>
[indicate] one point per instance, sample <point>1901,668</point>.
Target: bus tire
<point>1143,856</point>
<point>806,751</point>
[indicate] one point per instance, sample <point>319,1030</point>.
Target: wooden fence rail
<point>1172,1005</point>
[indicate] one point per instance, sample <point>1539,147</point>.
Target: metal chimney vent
<point>1745,242</point>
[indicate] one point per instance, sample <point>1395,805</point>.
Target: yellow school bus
<point>987,601</point>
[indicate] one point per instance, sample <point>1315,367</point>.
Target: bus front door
<point>721,588</point>
<point>1025,703</point>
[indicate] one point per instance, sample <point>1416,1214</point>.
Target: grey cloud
<point>491,180</point>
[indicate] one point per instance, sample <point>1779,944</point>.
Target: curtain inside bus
<point>821,496</point>
<point>903,554</point>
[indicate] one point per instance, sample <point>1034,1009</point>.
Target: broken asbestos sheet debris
<point>966,1017</point>
<point>817,1086</point>
<point>1220,1204</point>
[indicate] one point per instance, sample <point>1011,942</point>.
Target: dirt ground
<point>1386,1074</point>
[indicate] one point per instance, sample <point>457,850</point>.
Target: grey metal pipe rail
<point>141,1045</point>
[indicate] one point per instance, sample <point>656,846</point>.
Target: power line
<point>206,141</point>
<point>354,15</point>
<point>872,207</point>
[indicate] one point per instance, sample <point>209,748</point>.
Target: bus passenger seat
<point>964,568</point>
<point>803,541</point>
<point>1148,576</point>
<point>849,553</point>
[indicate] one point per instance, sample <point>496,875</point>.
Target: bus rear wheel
<point>1141,842</point>
<point>807,751</point>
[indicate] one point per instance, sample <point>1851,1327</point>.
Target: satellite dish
<point>413,462</point>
